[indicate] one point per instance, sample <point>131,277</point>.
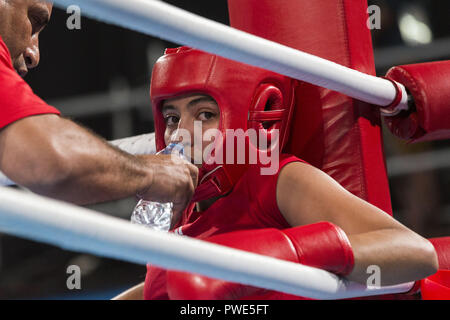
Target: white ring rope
<point>5,181</point>
<point>137,145</point>
<point>79,229</point>
<point>162,20</point>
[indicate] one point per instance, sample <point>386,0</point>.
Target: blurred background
<point>99,76</point>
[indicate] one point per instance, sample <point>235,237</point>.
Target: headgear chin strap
<point>248,98</point>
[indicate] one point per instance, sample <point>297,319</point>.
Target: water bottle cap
<point>174,148</point>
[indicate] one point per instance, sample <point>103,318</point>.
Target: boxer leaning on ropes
<point>298,213</point>
<point>53,156</point>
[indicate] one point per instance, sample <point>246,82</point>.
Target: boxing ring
<point>79,229</point>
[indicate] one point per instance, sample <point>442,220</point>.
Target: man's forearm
<point>55,157</point>
<point>101,175</point>
<point>143,144</point>
<point>97,171</point>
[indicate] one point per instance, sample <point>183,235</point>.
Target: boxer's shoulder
<point>264,171</point>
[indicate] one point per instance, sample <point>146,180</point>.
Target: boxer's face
<point>183,114</point>
<point>21,22</point>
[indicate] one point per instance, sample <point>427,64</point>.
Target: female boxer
<point>295,212</point>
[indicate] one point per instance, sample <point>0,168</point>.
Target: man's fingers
<point>186,194</point>
<point>193,170</point>
<point>178,212</point>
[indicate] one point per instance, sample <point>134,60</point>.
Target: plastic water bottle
<point>155,215</point>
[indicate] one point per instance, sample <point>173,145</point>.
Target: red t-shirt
<point>251,205</point>
<point>17,100</point>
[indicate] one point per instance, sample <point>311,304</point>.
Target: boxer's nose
<point>32,54</point>
<point>184,133</point>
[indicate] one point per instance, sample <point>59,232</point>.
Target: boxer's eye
<point>171,120</point>
<point>39,19</point>
<point>204,116</point>
<point>34,24</point>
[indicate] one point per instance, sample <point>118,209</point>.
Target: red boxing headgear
<point>247,96</point>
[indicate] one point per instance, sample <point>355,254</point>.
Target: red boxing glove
<point>321,245</point>
<point>428,85</point>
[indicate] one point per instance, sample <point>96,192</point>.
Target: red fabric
<point>428,85</point>
<point>251,205</point>
<point>17,100</point>
<point>333,132</point>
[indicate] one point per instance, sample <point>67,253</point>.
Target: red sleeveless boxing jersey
<point>250,205</point>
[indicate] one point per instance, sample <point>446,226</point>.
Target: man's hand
<point>174,180</point>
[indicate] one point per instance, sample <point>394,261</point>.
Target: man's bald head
<point>21,22</point>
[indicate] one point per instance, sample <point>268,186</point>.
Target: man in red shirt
<point>53,156</point>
